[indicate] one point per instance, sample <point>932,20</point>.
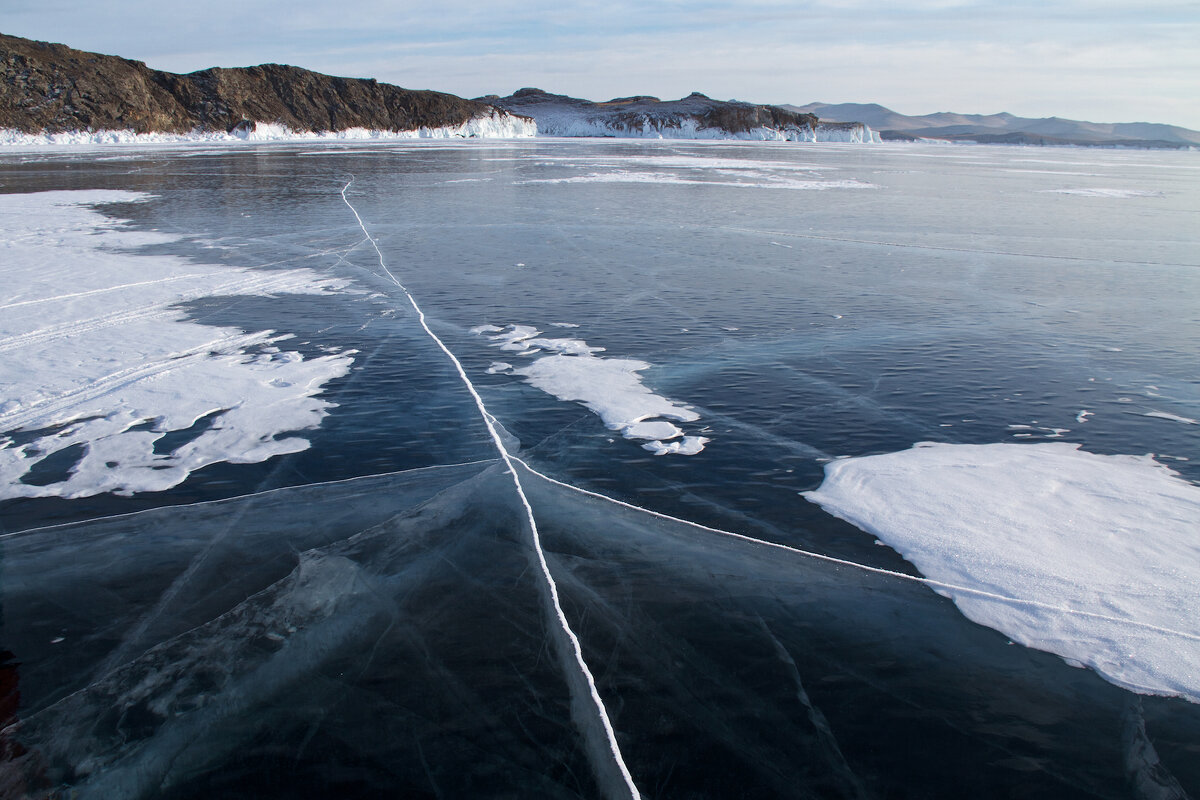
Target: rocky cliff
<point>51,88</point>
<point>694,117</point>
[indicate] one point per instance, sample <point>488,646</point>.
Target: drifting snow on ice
<point>609,387</point>
<point>742,173</point>
<point>624,176</point>
<point>1099,553</point>
<point>98,363</point>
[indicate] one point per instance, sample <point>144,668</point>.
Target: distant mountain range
<point>1004,128</point>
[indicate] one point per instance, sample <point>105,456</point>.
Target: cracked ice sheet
<point>1098,540</point>
<point>95,355</point>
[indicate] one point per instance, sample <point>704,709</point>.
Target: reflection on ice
<point>755,181</point>
<point>1115,193</point>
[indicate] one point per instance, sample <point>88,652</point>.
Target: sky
<point>1096,60</point>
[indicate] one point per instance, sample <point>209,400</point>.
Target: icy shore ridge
<point>497,125</point>
<point>1093,557</point>
<point>107,386</point>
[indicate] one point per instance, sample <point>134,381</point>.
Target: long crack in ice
<point>572,643</point>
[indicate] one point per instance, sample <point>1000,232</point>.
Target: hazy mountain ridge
<point>1005,127</point>
<point>52,88</point>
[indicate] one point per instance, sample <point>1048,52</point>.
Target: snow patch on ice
<point>99,366</point>
<point>687,446</point>
<point>609,387</point>
<point>1098,553</point>
<point>1118,193</point>
<point>1039,431</point>
<point>1172,417</point>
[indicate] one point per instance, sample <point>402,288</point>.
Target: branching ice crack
<point>490,421</point>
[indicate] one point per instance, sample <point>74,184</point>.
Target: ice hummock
<point>1098,555</point>
<point>690,170</point>
<point>107,387</point>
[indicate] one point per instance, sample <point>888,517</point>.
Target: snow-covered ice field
<point>599,469</point>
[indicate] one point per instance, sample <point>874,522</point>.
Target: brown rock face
<point>54,89</point>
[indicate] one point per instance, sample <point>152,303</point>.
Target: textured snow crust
<point>98,363</point>
<point>1093,557</point>
<point>611,388</point>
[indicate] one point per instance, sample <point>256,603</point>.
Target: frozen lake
<point>599,468</point>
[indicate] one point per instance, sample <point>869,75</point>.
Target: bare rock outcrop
<point>52,88</point>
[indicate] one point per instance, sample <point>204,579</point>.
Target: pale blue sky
<point>1104,61</point>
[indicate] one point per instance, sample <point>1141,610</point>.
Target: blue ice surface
<point>368,610</point>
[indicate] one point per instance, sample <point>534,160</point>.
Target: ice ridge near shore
<point>693,117</point>
<point>496,125</point>
<point>571,125</point>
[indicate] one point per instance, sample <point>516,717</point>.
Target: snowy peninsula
<point>693,117</point>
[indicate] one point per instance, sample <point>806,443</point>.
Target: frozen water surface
<point>460,469</point>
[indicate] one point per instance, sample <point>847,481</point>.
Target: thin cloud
<point>1105,60</point>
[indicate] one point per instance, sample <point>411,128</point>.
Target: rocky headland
<point>54,89</point>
